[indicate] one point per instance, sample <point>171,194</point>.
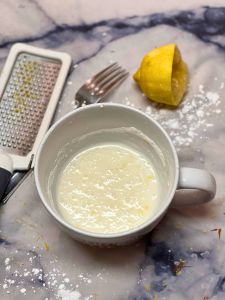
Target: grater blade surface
<point>24,101</point>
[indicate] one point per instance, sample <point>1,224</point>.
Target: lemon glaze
<point>107,189</point>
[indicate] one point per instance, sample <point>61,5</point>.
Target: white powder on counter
<point>23,291</point>
<point>68,295</point>
<point>190,120</point>
<point>58,283</point>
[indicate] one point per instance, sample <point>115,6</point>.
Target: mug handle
<point>195,186</point>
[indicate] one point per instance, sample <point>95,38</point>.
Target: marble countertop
<point>184,257</point>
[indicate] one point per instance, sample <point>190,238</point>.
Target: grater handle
<point>6,168</point>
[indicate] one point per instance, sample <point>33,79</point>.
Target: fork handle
<point>6,168</point>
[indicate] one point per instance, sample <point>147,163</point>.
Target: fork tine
<point>109,77</point>
<point>102,73</point>
<point>107,87</point>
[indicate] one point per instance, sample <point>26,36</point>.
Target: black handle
<point>14,180</point>
<point>5,176</point>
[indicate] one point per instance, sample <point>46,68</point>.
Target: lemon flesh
<point>163,75</point>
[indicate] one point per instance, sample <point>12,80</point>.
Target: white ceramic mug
<point>63,141</point>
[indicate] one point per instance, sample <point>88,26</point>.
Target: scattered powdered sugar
<point>84,278</point>
<point>23,291</point>
<point>30,277</point>
<point>35,271</point>
<point>190,120</point>
<point>68,295</point>
<point>213,97</point>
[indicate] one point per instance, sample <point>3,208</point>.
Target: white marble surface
<point>37,259</point>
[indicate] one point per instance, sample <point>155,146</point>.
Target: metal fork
<point>100,85</point>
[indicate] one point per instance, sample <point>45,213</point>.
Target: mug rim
<point>108,236</point>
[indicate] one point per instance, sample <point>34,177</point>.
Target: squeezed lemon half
<point>163,75</point>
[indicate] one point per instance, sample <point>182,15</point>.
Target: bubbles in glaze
<point>107,189</point>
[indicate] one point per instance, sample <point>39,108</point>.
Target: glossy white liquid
<point>107,189</point>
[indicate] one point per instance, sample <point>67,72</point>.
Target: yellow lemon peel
<point>163,75</point>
